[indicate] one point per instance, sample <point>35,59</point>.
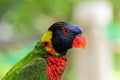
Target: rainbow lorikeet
<point>47,61</point>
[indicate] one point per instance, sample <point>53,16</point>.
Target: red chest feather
<point>55,67</point>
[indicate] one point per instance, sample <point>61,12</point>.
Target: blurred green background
<point>22,22</point>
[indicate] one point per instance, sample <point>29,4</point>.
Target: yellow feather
<point>47,36</point>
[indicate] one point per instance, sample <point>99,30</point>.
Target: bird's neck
<point>55,67</point>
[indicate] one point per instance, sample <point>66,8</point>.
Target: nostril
<point>79,34</point>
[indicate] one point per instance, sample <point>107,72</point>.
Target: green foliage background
<point>30,18</point>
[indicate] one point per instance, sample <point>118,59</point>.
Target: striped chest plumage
<point>55,67</point>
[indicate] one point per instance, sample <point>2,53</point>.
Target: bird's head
<point>62,36</point>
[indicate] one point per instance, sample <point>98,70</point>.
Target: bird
<point>48,60</point>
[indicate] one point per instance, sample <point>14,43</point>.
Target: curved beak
<point>79,42</point>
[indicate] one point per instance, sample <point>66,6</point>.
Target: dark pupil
<point>66,31</point>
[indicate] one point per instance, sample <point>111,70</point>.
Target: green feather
<point>32,67</point>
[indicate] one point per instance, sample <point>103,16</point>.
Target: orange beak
<point>79,42</point>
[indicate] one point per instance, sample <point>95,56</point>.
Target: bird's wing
<point>34,70</point>
<point>29,68</point>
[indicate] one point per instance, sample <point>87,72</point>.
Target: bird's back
<point>29,68</point>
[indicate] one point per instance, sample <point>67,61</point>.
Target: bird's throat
<point>55,67</point>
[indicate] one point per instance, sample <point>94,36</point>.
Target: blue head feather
<point>61,41</point>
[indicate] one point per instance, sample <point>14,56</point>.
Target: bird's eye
<point>66,31</point>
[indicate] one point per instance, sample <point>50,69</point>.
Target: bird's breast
<point>55,67</point>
